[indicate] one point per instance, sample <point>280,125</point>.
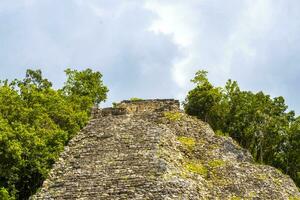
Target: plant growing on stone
<point>135,99</point>
<point>173,116</point>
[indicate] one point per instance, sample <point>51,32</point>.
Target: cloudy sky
<point>152,48</point>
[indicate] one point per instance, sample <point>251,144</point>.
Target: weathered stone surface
<point>150,150</point>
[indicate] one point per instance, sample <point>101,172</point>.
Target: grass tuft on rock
<point>135,99</point>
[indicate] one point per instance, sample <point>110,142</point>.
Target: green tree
<point>204,100</point>
<point>4,195</point>
<point>36,122</point>
<point>255,120</point>
<point>35,78</point>
<point>85,83</point>
<point>293,152</point>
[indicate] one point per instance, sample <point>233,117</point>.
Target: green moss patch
<point>173,116</point>
<point>216,163</point>
<point>196,167</point>
<point>222,134</point>
<point>135,99</point>
<point>262,177</point>
<point>293,198</point>
<point>188,142</point>
<point>236,198</point>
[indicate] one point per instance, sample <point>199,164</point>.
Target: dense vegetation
<point>256,121</point>
<point>37,121</point>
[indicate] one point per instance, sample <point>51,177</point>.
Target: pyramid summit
<point>150,149</point>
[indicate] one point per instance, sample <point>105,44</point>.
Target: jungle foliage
<point>37,121</point>
<point>259,123</point>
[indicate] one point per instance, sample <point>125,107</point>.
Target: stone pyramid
<point>149,149</point>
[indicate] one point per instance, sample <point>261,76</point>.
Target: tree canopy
<point>259,123</point>
<point>37,121</point>
<point>86,83</point>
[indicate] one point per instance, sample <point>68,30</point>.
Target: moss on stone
<point>196,167</point>
<point>277,181</point>
<point>221,133</point>
<point>135,99</point>
<point>261,177</point>
<point>188,142</point>
<point>216,163</point>
<point>173,116</point>
<point>235,198</point>
<point>294,198</point>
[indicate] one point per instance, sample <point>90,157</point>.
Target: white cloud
<point>197,27</point>
<point>152,48</point>
<point>251,41</point>
<point>111,37</point>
